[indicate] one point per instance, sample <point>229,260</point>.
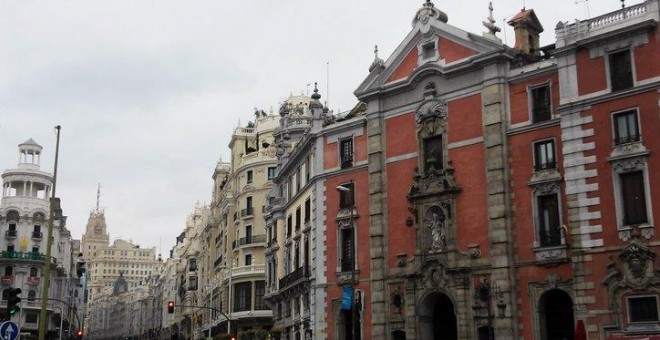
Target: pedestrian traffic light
<point>13,300</point>
<point>79,334</point>
<point>170,307</point>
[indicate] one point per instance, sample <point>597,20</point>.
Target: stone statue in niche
<point>434,219</point>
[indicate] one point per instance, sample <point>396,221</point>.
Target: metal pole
<point>354,267</point>
<point>61,321</point>
<point>229,299</point>
<point>43,315</point>
<point>211,312</point>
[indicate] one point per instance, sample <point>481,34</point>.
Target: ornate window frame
<point>642,325</point>
<point>432,42</point>
<point>530,101</point>
<point>626,165</point>
<point>548,254</point>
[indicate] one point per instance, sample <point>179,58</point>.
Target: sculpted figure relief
<point>434,220</point>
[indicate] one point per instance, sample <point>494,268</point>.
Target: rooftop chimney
<point>527,28</point>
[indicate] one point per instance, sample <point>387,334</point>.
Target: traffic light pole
<point>43,315</point>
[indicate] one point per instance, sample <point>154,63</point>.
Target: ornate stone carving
<point>431,110</point>
<point>546,188</point>
<point>637,265</point>
<point>428,12</point>
<point>434,219</point>
<point>474,251</point>
<point>628,164</point>
<point>433,181</point>
<point>552,280</point>
<point>543,176</point>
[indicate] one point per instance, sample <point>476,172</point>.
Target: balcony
<point>248,270</point>
<point>28,256</point>
<point>37,235</point>
<point>633,138</point>
<point>7,280</point>
<point>11,234</point>
<point>545,165</point>
<point>251,240</point>
<point>33,280</point>
<point>217,262</point>
<point>247,212</point>
<point>644,14</point>
<point>297,276</point>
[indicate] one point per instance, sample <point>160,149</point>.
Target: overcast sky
<point>148,92</point>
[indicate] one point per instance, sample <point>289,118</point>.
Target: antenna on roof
<point>586,6</point>
<point>327,82</point>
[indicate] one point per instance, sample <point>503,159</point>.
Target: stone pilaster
<point>377,226</point>
<point>500,234</point>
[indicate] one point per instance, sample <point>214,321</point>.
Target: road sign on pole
<point>9,330</point>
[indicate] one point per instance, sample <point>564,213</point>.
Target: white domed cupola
<point>29,155</point>
<point>26,188</point>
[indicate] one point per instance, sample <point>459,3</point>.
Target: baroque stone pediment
<point>433,182</point>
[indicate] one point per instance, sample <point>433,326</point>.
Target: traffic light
<point>80,265</point>
<point>13,300</point>
<point>79,334</point>
<point>170,307</point>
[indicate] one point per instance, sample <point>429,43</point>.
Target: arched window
<point>5,292</point>
<point>34,271</point>
<point>9,271</point>
<point>31,295</point>
<point>12,220</point>
<point>12,216</point>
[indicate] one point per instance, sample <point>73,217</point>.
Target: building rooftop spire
<point>98,198</point>
<point>377,61</point>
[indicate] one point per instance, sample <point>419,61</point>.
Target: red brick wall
<point>407,66</point>
<point>647,56</point>
<point>451,51</point>
<point>591,73</point>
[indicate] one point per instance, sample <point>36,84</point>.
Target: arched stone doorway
<point>437,318</point>
<point>556,315</point>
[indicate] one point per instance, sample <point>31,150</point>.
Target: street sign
<point>9,330</point>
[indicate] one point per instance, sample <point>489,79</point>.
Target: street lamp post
<point>347,190</point>
<point>229,297</point>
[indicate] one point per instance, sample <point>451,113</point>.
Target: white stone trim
<point>465,142</point>
<point>401,157</point>
<point>435,40</point>
<point>352,133</point>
